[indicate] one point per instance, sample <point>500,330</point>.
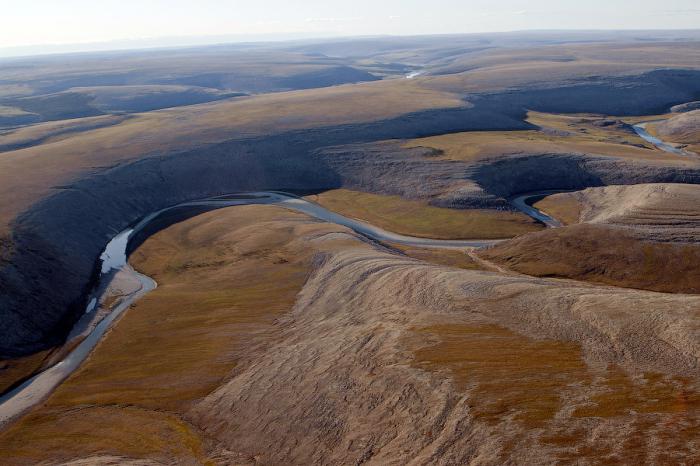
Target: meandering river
<point>114,260</point>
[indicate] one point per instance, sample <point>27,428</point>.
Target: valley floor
<point>274,338</point>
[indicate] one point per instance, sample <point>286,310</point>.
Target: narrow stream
<point>523,202</point>
<point>641,130</point>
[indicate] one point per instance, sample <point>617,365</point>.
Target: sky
<point>49,22</point>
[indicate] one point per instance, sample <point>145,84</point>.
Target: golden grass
<point>633,120</point>
<point>653,394</point>
<point>604,255</point>
<point>56,434</point>
<point>27,174</point>
<point>506,373</point>
<point>448,257</point>
<point>476,145</point>
<point>14,370</point>
<point>224,278</point>
<point>513,68</point>
<point>212,301</point>
<point>682,129</point>
<point>55,130</point>
<point>611,140</point>
<point>564,207</point>
<point>480,145</point>
<point>581,136</point>
<point>418,218</point>
<point>581,126</point>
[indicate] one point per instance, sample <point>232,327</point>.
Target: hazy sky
<point>31,22</point>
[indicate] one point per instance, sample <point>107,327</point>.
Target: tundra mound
<point>641,236</point>
<point>682,129</point>
<point>368,356</point>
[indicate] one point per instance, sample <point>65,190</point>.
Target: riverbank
<point>223,363</point>
<point>115,270</point>
<point>641,130</point>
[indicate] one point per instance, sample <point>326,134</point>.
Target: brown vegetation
<point>447,257</point>
<point>28,174</point>
<point>418,218</point>
<point>511,68</point>
<point>602,254</point>
<point>224,278</point>
<point>279,339</point>
<point>667,212</point>
<point>581,134</point>
<point>14,370</point>
<point>565,207</point>
<point>510,374</point>
<point>52,131</point>
<point>682,129</point>
<point>506,374</point>
<point>404,362</point>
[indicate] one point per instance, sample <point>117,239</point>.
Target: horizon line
<point>194,41</point>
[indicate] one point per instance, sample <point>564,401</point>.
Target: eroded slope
<point>67,196</point>
<point>379,358</point>
<point>642,236</point>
